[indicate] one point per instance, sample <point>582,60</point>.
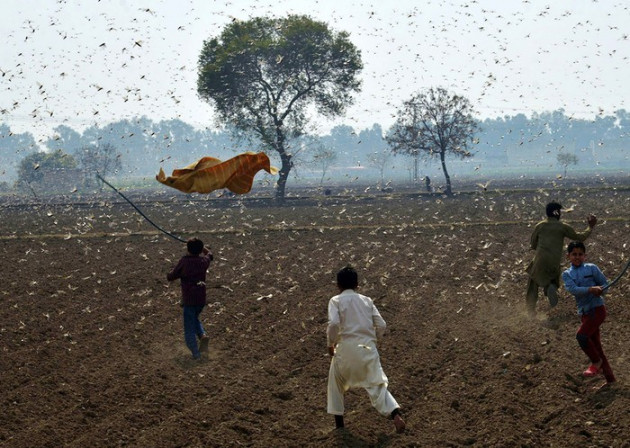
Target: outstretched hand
<point>592,220</point>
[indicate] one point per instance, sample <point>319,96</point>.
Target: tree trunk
<point>416,167</point>
<point>283,176</point>
<point>285,158</point>
<point>448,191</point>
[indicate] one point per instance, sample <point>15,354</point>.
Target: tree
<point>565,159</point>
<point>65,138</point>
<point>344,141</point>
<point>33,166</point>
<point>101,158</point>
<point>323,158</point>
<point>434,123</point>
<point>13,148</point>
<point>379,160</point>
<point>264,74</point>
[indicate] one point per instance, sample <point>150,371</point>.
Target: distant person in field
<point>548,241</point>
<point>354,324</point>
<point>191,270</point>
<point>585,281</point>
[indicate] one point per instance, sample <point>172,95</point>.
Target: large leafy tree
<point>434,123</point>
<point>264,75</point>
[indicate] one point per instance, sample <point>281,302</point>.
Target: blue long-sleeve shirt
<point>578,279</point>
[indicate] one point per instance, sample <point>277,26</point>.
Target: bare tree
<point>565,159</point>
<point>323,158</point>
<point>379,160</point>
<point>434,123</point>
<point>102,158</point>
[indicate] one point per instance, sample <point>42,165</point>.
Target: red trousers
<point>589,338</point>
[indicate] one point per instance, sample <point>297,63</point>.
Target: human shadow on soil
<point>345,439</point>
<point>607,394</point>
<point>598,395</point>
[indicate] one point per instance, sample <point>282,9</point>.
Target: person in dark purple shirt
<point>191,270</point>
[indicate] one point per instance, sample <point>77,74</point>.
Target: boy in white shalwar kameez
<point>354,324</point>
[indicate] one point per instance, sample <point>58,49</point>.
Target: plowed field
<point>92,349</point>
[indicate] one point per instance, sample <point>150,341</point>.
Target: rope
<point>139,211</point>
<point>617,278</point>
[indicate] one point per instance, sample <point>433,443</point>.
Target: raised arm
<point>569,232</point>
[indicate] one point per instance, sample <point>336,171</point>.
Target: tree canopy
<point>433,123</point>
<point>33,166</point>
<point>262,75</point>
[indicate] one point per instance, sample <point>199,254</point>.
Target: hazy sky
<point>81,62</point>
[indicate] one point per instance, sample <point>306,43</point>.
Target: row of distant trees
<point>322,155</point>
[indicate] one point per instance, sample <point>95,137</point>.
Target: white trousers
<point>380,397</point>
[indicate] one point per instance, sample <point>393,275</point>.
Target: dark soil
<point>92,342</point>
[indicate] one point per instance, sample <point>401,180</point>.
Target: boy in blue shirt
<point>585,281</point>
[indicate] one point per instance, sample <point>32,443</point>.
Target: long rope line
<point>140,211</point>
<point>616,279</point>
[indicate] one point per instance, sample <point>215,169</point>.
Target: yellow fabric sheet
<point>209,174</point>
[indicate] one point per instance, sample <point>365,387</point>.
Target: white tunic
<point>354,324</point>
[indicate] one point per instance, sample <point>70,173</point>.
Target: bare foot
<point>399,423</point>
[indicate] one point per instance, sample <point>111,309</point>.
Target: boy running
<point>191,269</point>
<point>354,324</point>
<point>585,281</point>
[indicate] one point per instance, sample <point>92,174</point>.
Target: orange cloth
<point>209,174</point>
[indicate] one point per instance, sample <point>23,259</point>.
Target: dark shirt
<point>191,270</point>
